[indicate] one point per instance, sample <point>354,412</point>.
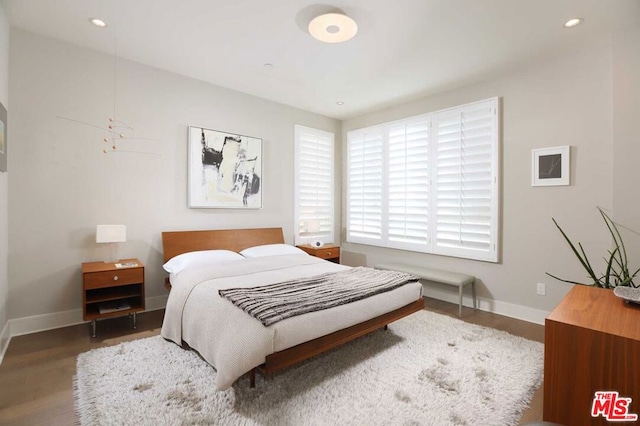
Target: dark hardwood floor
<point>37,372</point>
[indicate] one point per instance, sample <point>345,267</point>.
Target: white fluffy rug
<point>425,369</point>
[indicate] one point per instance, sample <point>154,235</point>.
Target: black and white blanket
<point>275,302</point>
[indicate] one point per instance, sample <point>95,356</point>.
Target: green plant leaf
<point>567,281</point>
<point>617,239</point>
<point>617,263</point>
<point>607,274</point>
<point>584,263</point>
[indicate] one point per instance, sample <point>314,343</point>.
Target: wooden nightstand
<point>330,252</point>
<point>110,291</point>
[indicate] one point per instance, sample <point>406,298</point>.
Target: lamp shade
<point>111,233</point>
<point>312,227</point>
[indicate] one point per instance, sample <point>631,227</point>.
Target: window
<point>365,184</point>
<point>428,183</point>
<point>314,185</point>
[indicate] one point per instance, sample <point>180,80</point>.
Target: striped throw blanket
<point>275,302</point>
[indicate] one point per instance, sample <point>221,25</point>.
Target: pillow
<point>271,250</point>
<point>199,258</point>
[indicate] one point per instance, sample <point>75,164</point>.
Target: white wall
<point>63,185</point>
<point>4,186</point>
<point>626,136</point>
<point>552,102</point>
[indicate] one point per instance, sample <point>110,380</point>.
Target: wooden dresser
<point>592,343</point>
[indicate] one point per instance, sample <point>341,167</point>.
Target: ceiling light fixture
<point>333,28</point>
<point>98,22</point>
<point>573,22</point>
<point>339,103</point>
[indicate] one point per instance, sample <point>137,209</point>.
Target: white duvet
<point>234,342</point>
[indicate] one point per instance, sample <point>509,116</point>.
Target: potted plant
<point>617,273</point>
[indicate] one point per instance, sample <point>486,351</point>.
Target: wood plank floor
<point>37,372</point>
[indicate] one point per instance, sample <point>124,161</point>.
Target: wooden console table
<point>592,343</point>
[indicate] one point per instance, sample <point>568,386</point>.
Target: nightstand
<point>112,289</point>
<point>330,252</point>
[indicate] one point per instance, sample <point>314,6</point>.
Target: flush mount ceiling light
<point>98,22</point>
<point>333,28</point>
<point>573,22</point>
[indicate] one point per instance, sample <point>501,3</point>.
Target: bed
<point>237,344</point>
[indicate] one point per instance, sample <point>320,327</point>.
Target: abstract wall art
<point>225,170</point>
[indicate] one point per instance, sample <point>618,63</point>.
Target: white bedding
<point>234,342</point>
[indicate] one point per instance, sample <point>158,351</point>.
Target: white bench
<point>438,276</point>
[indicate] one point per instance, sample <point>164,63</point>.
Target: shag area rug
<point>425,369</point>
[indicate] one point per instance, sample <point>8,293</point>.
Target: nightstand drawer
<point>113,278</point>
<point>327,253</point>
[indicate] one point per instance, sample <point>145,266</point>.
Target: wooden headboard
<point>178,242</point>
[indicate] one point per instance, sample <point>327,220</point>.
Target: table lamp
<point>313,231</point>
<point>111,234</point>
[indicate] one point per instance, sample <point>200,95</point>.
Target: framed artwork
<point>225,170</point>
<point>550,166</point>
<point>3,138</point>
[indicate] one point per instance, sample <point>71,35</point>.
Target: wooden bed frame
<point>178,242</point>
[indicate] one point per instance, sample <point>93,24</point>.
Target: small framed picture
<point>550,166</point>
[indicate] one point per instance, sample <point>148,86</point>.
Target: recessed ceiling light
<point>339,103</point>
<point>573,22</point>
<point>98,22</point>
<point>268,65</point>
<point>333,28</point>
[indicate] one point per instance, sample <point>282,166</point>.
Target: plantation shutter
<point>314,185</point>
<point>466,181</point>
<point>408,183</point>
<point>364,201</point>
<point>428,183</point>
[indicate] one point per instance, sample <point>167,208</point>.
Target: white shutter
<point>364,196</point>
<point>314,184</point>
<point>466,181</point>
<point>427,183</point>
<point>408,183</point>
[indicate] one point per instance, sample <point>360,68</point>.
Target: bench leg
<point>460,302</point>
<point>473,291</point>
<point>252,378</point>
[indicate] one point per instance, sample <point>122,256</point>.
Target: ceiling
<point>404,49</point>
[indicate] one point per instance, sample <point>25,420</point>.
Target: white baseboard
<point>524,313</point>
<point>489,305</point>
<point>5,338</point>
<point>36,323</point>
